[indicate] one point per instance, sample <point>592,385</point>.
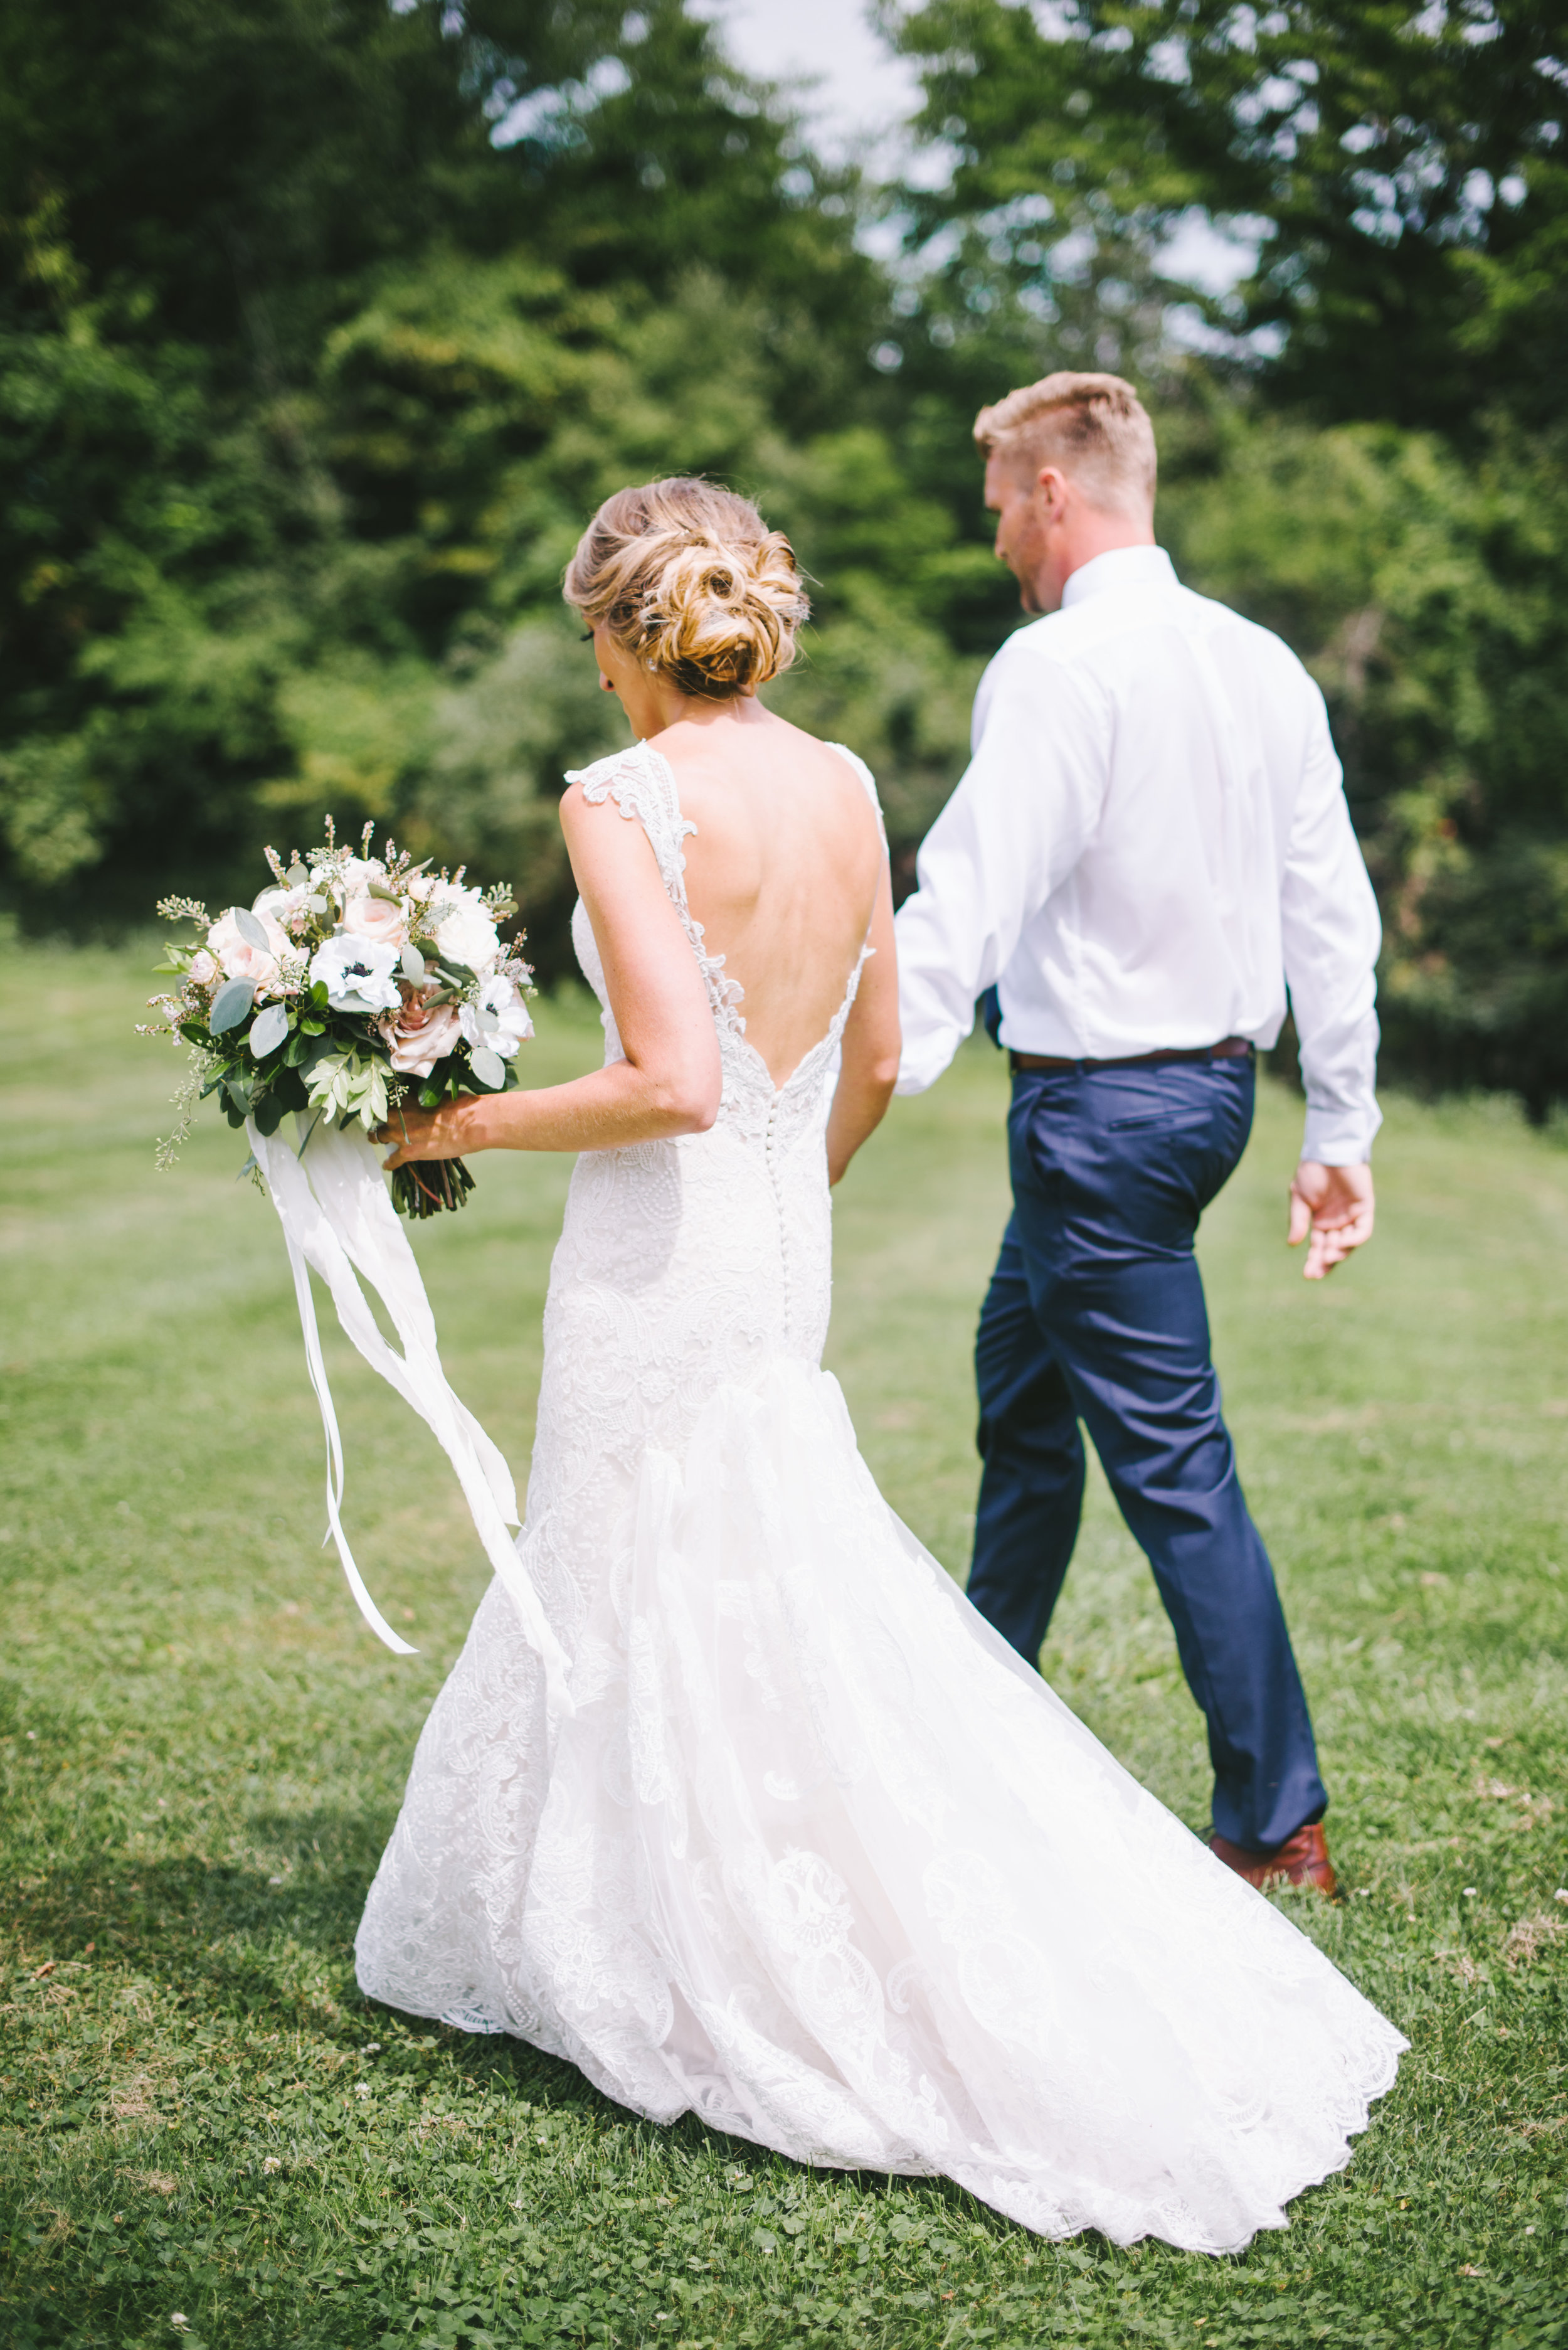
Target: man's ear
<point>1053,489</point>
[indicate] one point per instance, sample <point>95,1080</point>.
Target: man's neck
<point>1090,533</point>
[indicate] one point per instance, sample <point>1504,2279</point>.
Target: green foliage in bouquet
<point>352,985</point>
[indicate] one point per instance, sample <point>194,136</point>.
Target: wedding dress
<point>814,1854</point>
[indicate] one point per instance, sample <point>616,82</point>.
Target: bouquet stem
<point>427,1186</point>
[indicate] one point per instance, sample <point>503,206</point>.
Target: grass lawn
<point>206,2134</point>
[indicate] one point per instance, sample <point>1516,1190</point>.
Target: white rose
<point>466,933</point>
<point>358,872</point>
<point>500,1019</point>
<point>376,918</point>
<point>242,961</point>
<point>356,973</point>
<point>287,908</point>
<point>419,1035</point>
<point>204,970</point>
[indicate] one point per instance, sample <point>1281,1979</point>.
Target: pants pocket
<point>1161,1121</point>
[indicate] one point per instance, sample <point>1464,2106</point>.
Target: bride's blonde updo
<point>692,581</point>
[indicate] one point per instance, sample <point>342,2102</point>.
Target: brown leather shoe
<point>1301,1859</point>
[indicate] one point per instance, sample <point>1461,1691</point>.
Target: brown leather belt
<point>1230,1048</point>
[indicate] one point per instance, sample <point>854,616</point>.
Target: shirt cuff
<point>1337,1137</point>
<point>925,1057</point>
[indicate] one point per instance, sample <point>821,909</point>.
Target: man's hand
<point>1336,1205</point>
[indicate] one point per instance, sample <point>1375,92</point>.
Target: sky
<point>858,96</point>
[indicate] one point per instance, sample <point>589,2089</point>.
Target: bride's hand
<point>443,1133</point>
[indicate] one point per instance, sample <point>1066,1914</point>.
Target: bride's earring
<point>605,685</point>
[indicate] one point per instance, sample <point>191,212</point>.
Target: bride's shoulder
<point>621,774</point>
<point>638,780</point>
<point>830,759</point>
<point>639,783</point>
<point>839,765</point>
<point>859,769</point>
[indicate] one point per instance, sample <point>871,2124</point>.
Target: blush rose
<point>378,918</point>
<point>419,1035</point>
<point>242,961</point>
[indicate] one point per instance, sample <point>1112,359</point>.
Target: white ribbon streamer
<point>337,1218</point>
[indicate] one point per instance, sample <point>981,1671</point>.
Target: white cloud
<point>854,93</point>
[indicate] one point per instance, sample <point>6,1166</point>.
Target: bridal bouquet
<point>352,984</point>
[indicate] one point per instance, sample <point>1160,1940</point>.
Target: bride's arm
<point>669,1081</point>
<point>869,1066</point>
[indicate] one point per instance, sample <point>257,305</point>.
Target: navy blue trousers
<point>1096,1313</point>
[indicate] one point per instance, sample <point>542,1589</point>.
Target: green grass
<point>202,1752</point>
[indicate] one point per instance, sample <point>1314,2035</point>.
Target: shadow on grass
<point>220,1940</point>
<point>223,1941</point>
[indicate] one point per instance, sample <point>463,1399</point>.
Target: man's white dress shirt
<point>1149,844</point>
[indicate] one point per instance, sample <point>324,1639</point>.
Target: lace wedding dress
<point>814,1855</point>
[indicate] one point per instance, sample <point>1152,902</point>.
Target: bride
<point>807,1851</point>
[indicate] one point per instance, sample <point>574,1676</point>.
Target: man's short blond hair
<point>1094,427</point>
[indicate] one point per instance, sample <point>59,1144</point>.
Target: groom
<point>1149,847</point>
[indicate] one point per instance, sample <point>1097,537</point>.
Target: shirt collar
<point>1123,567</point>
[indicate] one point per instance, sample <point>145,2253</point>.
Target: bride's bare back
<point>694,605</point>
<point>783,871</point>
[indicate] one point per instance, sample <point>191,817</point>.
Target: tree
<point>321,329</point>
<point>1406,174</point>
<point>1428,593</point>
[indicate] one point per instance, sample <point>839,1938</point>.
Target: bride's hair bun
<point>689,578</point>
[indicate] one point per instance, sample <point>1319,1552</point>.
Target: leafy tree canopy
<point>1403,170</point>
<point>325,324</point>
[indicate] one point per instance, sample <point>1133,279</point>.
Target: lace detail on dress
<point>642,784</point>
<point>816,1857</point>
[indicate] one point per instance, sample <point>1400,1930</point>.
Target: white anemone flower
<point>500,1018</point>
<point>357,975</point>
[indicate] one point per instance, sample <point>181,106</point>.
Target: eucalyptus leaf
<point>316,904</point>
<point>268,1033</point>
<point>250,931</point>
<point>488,1068</point>
<point>230,1005</point>
<point>380,889</point>
<point>296,876</point>
<point>413,964</point>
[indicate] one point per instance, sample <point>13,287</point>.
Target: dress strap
<point>641,781</point>
<point>867,779</point>
<point>642,785</point>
